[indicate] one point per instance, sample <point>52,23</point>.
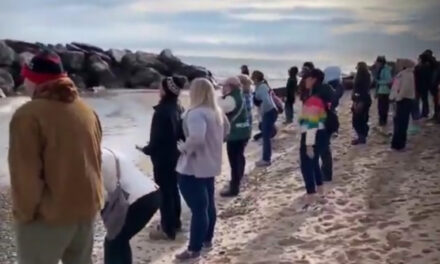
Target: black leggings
<point>401,121</point>
<point>360,119</point>
<point>383,105</point>
<point>237,162</point>
<point>118,251</point>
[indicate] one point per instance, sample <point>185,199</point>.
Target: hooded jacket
<point>55,157</point>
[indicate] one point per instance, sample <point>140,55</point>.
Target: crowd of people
<point>62,178</point>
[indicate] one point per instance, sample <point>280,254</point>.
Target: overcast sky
<point>345,30</point>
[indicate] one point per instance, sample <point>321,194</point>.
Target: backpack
<point>332,121</point>
<point>116,207</point>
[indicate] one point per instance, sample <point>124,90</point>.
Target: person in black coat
<point>361,103</point>
<point>424,73</point>
<point>166,131</point>
<point>291,90</point>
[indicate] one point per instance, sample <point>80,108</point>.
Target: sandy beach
<point>383,206</point>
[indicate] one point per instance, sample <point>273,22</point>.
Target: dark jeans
<point>199,195</point>
<point>326,157</point>
<point>415,110</point>
<point>310,167</point>
<point>360,119</point>
<point>267,126</point>
<point>288,108</point>
<point>401,121</point>
<point>118,251</point>
<point>383,104</point>
<point>170,207</point>
<point>435,94</point>
<point>237,161</point>
<point>424,97</point>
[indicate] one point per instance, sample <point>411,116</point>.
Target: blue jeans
<point>267,126</point>
<point>199,195</point>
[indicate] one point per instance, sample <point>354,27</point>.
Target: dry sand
<point>383,207</point>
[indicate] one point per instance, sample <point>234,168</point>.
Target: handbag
<point>278,102</point>
<point>116,207</point>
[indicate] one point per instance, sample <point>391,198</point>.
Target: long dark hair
<point>362,75</point>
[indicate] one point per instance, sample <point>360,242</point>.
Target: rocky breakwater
<point>90,66</point>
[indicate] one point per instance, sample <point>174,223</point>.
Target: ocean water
<point>274,70</point>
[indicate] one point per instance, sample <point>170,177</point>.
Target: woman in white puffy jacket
<point>143,197</point>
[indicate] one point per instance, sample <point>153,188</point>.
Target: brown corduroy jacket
<point>55,157</point>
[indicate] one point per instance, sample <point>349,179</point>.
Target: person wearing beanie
<point>166,131</point>
<point>55,167</point>
<point>234,106</point>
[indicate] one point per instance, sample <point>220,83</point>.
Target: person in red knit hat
<point>55,167</point>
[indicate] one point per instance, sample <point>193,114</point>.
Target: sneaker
<point>228,193</point>
<point>262,164</point>
<point>207,246</point>
<point>187,255</point>
<point>358,141</point>
<point>158,234</point>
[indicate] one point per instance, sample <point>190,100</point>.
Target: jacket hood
<point>62,90</point>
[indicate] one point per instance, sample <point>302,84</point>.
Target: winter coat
<point>55,157</point>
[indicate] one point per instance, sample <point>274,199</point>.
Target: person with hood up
<point>403,93</point>
<point>384,80</point>
<point>166,131</point>
<point>55,167</point>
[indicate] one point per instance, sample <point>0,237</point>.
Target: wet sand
<point>383,207</point>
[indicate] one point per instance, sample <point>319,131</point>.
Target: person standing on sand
<point>55,167</point>
<point>234,106</point>
<point>246,83</point>
<point>291,90</point>
<point>384,80</point>
<point>269,115</point>
<point>313,134</point>
<point>205,128</point>
<point>143,197</point>
<point>404,93</point>
<point>166,131</point>
<point>245,70</point>
<point>361,103</point>
<point>423,76</point>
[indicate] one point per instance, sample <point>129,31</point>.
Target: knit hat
<point>173,85</point>
<point>44,66</point>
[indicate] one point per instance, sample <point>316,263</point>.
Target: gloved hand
<point>310,152</point>
<point>181,146</point>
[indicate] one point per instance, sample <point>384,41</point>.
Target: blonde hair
<point>202,94</point>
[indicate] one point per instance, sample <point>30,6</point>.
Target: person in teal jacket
<point>234,105</point>
<point>384,80</point>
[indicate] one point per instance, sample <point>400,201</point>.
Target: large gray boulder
<point>167,57</point>
<point>22,46</point>
<point>79,81</point>
<point>100,73</point>
<point>145,78</point>
<point>73,61</point>
<point>145,59</point>
<point>7,54</point>
<point>192,72</point>
<point>117,55</point>
<point>7,83</point>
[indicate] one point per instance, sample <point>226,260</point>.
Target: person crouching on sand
<point>268,113</point>
<point>205,128</point>
<point>143,199</point>
<point>313,134</point>
<point>361,103</point>
<point>404,93</point>
<point>234,106</point>
<point>166,131</point>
